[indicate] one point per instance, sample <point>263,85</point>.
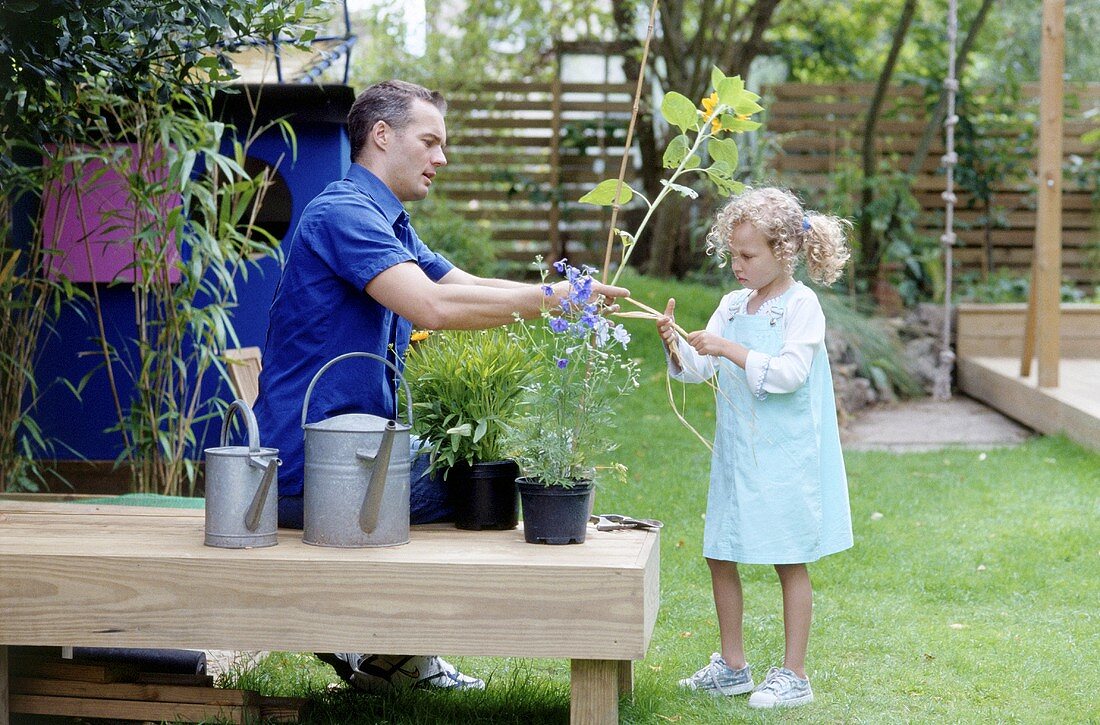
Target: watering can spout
<point>372,502</point>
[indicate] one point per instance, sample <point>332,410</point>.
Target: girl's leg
<point>726,583</point>
<point>798,602</point>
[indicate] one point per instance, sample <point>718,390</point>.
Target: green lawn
<point>971,594</point>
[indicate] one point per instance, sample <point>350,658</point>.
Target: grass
<point>970,595</point>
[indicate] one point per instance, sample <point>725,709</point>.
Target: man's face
<point>414,152</point>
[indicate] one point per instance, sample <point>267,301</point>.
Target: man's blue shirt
<point>353,231</point>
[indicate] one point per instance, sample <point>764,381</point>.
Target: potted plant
<point>467,386</point>
<point>563,434</point>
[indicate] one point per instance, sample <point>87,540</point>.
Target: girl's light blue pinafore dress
<point>778,489</point>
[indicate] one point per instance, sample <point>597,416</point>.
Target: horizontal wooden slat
<point>132,691</point>
<point>540,105</point>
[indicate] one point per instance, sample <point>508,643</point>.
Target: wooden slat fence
<point>507,170</point>
<point>818,130</point>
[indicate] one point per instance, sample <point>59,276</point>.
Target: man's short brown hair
<point>387,101</point>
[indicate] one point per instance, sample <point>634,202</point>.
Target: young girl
<point>778,491</point>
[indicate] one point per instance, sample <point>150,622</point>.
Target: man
<point>357,278</point>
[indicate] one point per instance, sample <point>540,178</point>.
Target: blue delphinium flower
<point>602,329</point>
<point>563,435</point>
<point>583,288</point>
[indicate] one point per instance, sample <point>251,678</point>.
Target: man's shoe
<point>718,679</point>
<point>380,673</point>
<point>781,688</point>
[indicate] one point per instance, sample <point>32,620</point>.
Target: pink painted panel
<point>92,230</point>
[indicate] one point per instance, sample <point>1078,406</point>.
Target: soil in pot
<point>554,514</point>
<point>485,495</point>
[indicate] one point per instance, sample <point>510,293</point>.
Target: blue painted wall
<point>78,427</point>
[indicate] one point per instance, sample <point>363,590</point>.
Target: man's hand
<point>607,292</point>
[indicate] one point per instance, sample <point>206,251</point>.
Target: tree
<point>869,248</point>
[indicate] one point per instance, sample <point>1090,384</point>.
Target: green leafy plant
<point>465,242</point>
<point>31,301</point>
<point>106,57</point>
<point>467,387</point>
<point>564,433</point>
<point>1005,285</point>
<point>192,235</point>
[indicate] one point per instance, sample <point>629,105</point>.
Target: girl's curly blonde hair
<point>789,229</point>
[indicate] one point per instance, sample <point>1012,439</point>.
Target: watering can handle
<point>384,361</point>
<point>250,421</point>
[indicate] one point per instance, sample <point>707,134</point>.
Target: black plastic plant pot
<point>485,495</point>
<point>554,514</point>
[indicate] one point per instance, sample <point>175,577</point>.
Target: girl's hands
<point>664,325</point>
<point>665,328</point>
<point>707,343</point>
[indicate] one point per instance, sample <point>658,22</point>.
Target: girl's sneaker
<point>782,688</point>
<point>718,678</point>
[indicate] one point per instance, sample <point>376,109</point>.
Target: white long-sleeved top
<point>804,328</point>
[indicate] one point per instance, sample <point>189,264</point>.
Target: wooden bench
<point>116,576</point>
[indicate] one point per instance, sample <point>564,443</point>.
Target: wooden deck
<point>1072,408</point>
<point>990,340</point>
<point>113,576</point>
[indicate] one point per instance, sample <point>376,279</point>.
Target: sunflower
<point>710,103</point>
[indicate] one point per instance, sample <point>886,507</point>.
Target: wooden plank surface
<point>128,709</point>
<point>87,575</point>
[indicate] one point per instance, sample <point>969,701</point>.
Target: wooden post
<point>557,247</point>
<point>626,679</point>
<point>594,692</point>
<point>1048,223</point>
<point>1028,352</point>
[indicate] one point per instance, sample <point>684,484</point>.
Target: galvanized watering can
<point>356,474</point>
<point>241,510</point>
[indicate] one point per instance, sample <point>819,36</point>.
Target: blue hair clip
<point>805,224</point>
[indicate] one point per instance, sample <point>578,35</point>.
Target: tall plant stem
<point>656,201</point>
<point>628,142</point>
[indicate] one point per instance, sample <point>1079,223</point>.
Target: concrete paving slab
<point>926,424</point>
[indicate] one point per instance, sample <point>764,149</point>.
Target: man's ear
<point>380,134</point>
